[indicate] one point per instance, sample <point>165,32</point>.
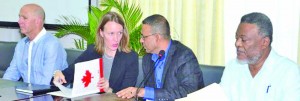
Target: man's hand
<point>130,92</point>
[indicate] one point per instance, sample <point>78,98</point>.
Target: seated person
<point>259,73</point>
<point>120,63</point>
<point>172,75</point>
<point>38,54</point>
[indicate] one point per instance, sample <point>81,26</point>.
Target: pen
<point>268,88</point>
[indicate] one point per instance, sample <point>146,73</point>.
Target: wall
<point>53,8</point>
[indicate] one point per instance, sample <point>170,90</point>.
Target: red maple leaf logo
<point>86,80</point>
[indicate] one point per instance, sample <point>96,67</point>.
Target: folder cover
<point>36,89</point>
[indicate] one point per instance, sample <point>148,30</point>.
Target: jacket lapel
<point>168,61</point>
<point>115,72</point>
<point>151,81</point>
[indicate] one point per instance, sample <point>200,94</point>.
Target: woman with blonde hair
<point>119,61</point>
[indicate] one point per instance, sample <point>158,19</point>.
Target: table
<point>7,83</point>
<point>92,97</point>
<point>8,92</point>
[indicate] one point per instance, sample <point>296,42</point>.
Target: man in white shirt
<point>259,73</point>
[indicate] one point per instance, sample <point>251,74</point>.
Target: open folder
<point>85,82</point>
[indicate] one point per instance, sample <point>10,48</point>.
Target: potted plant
<point>130,13</point>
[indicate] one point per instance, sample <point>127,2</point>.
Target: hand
<point>104,84</point>
<point>59,77</point>
<point>130,92</point>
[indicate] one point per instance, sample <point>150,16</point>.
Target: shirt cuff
<point>149,93</point>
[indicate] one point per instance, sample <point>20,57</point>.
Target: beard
<point>251,60</point>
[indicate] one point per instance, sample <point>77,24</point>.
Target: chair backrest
<point>141,73</point>
<point>211,73</point>
<point>72,54</point>
<point>7,50</point>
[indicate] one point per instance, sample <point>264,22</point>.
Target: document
<point>64,91</point>
<point>85,82</point>
<point>212,92</point>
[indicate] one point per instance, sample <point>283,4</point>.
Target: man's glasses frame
<point>144,37</point>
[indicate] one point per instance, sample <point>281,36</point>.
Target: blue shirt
<point>159,68</point>
<point>47,55</point>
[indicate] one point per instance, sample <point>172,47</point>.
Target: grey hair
<point>262,21</point>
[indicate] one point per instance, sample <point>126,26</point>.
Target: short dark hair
<point>262,21</point>
<point>159,24</point>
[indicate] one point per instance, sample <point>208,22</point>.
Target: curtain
<point>196,23</point>
<point>298,60</point>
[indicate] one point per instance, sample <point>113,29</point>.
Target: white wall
<point>284,14</point>
<point>53,8</point>
<point>9,34</point>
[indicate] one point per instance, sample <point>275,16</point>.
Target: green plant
<point>130,13</point>
<point>85,31</point>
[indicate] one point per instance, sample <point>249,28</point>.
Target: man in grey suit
<point>168,76</point>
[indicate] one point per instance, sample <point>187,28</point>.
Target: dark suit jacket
<point>181,76</point>
<point>124,70</point>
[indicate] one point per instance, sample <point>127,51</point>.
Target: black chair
<point>72,54</point>
<point>7,50</point>
<point>211,74</point>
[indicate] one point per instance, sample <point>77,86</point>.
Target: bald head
<point>31,20</point>
<point>36,10</point>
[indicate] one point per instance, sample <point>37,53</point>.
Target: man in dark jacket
<point>171,69</point>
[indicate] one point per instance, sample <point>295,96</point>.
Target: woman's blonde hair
<point>114,17</point>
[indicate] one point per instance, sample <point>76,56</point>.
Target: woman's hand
<point>59,77</point>
<point>104,84</point>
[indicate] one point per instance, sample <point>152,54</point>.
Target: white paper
<point>212,92</point>
<point>82,69</point>
<point>60,93</point>
<point>62,88</point>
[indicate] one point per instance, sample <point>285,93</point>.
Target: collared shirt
<point>277,80</point>
<point>159,68</point>
<point>43,32</point>
<point>47,55</point>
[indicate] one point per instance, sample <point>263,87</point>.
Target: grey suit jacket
<point>181,76</point>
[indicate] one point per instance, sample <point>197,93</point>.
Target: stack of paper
<point>213,92</point>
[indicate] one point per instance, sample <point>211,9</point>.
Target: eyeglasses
<point>144,37</point>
